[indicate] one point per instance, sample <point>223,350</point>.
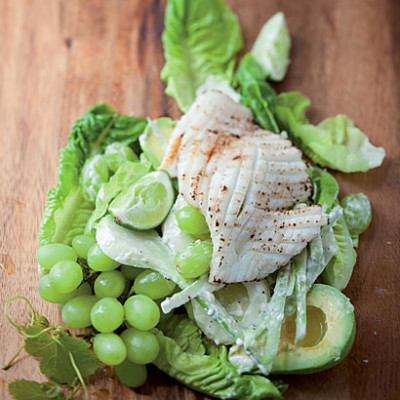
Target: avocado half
<point>330,334</point>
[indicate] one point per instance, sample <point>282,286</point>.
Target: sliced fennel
<point>189,293</point>
<point>299,266</point>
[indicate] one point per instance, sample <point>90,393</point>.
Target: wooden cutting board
<point>58,58</point>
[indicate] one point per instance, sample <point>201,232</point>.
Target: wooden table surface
<point>60,57</point>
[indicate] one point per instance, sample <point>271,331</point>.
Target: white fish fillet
<point>242,178</point>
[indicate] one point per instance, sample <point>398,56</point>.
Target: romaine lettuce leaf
<point>272,46</point>
<point>209,373</point>
<point>125,129</point>
<point>338,271</point>
<point>326,188</point>
<point>66,212</point>
<point>201,38</point>
<point>185,332</point>
<point>256,93</point>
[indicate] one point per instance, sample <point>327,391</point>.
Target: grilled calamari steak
<point>243,179</point>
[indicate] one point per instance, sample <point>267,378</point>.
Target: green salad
<point>127,258</point>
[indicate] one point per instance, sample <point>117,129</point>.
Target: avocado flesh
<point>155,139</point>
<point>330,334</point>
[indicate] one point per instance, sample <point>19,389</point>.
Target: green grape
<point>130,272</point>
<point>192,221</point>
<point>194,259</point>
<point>142,312</point>
<point>109,284</point>
<point>42,271</point>
<point>94,174</point>
<point>142,347</point>
<point>81,244</point>
<point>51,254</point>
<point>152,284</point>
<point>109,348</point>
<point>76,312</point>
<point>84,290</point>
<point>49,293</point>
<point>66,276</point>
<point>107,314</point>
<point>117,153</point>
<point>98,261</point>
<point>131,374</point>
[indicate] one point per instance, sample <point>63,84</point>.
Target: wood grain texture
<point>60,57</point>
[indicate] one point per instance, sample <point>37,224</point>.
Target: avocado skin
<point>310,366</point>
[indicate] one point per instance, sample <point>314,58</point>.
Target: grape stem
<point>79,375</point>
<point>8,365</point>
<point>74,392</point>
<point>19,327</point>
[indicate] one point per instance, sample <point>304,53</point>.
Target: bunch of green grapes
<point>120,304</point>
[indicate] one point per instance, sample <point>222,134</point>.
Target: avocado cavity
<point>329,336</point>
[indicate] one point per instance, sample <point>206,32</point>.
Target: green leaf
<point>93,176</point>
<point>256,93</point>
<point>211,373</point>
<point>137,248</point>
<point>338,271</point>
<point>272,46</point>
<point>126,174</point>
<point>55,356</point>
<point>85,360</point>
<point>326,188</point>
<point>297,103</point>
<point>66,212</point>
<point>201,38</point>
<point>335,142</point>
<point>30,390</point>
<point>357,213</point>
<point>125,130</point>
<point>185,332</point>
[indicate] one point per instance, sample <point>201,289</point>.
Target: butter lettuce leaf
<point>297,103</point>
<point>201,38</point>
<point>272,46</point>
<point>335,142</point>
<point>357,213</point>
<point>210,373</point>
<point>67,212</point>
